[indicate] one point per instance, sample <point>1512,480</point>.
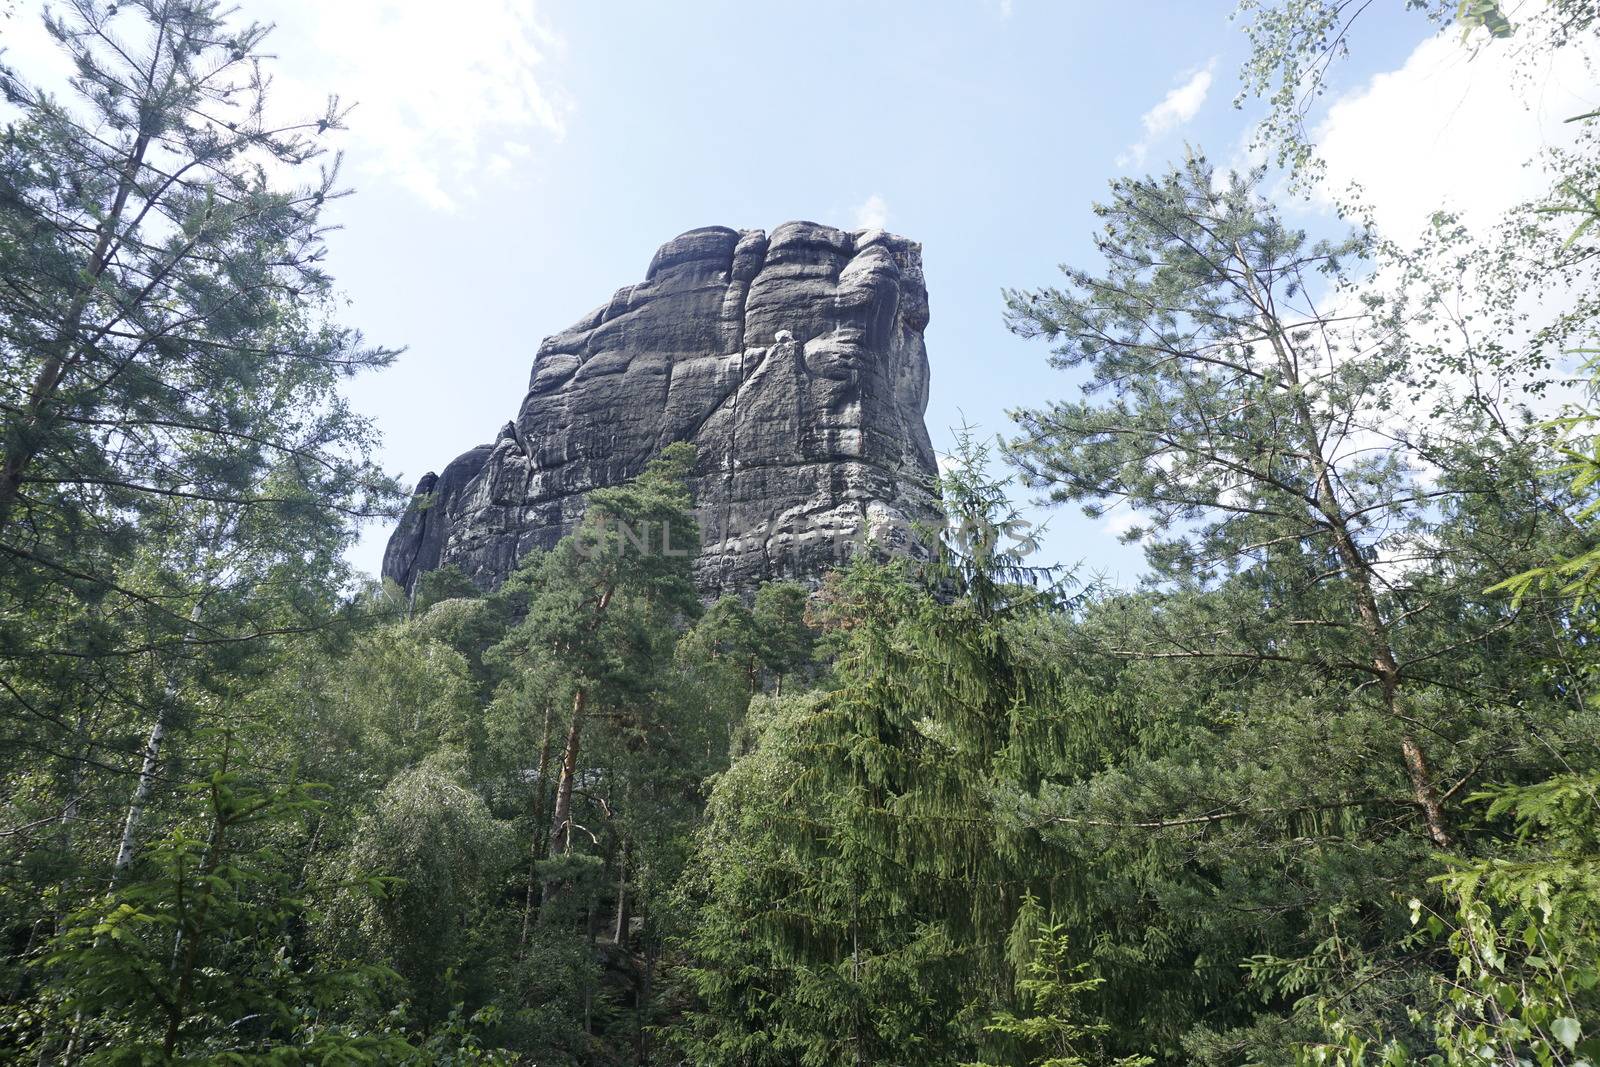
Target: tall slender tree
<point>597,608</point>
<point>861,901</point>
<point>1312,679</point>
<point>1246,401</point>
<point>178,470</point>
<point>161,276</point>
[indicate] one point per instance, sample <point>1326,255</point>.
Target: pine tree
<point>178,471</point>
<point>601,608</point>
<point>1257,432</point>
<point>1522,924</point>
<point>1311,681</point>
<point>787,643</point>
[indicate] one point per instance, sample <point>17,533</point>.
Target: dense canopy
<point>1321,788</point>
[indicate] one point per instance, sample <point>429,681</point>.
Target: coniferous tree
<point>859,900</point>
<point>597,608</point>
<point>1257,432</point>
<point>1522,922</point>
<point>177,469</point>
<point>1313,676</point>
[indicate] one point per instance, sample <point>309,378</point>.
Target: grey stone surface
<point>794,362</point>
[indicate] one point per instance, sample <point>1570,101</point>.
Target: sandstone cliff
<point>794,362</point>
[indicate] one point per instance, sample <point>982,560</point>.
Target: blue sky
<point>516,163</point>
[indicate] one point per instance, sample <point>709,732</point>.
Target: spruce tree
<point>860,900</point>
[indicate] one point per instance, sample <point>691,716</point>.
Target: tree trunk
<point>1384,662</point>
<point>22,444</point>
<point>591,925</point>
<point>1373,625</point>
<point>561,822</point>
<point>148,767</point>
<point>190,957</point>
<point>620,926</point>
<point>646,987</point>
<point>536,846</point>
<point>141,794</point>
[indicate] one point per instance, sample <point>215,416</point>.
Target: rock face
<point>794,362</point>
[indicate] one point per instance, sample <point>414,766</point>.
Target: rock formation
<point>794,362</point>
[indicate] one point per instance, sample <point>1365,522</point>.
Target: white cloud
<point>35,54</point>
<point>442,95</point>
<point>1454,127</point>
<point>872,213</point>
<point>1121,521</point>
<point>1462,129</point>
<point>1176,109</point>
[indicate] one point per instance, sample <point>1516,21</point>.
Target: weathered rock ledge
<point>794,362</point>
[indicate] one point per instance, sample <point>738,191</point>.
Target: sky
<point>516,161</point>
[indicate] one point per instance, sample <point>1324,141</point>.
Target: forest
<point>1323,788</point>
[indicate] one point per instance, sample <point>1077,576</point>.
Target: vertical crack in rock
<point>725,509</point>
<point>794,361</point>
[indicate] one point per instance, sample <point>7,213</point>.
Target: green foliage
<point>178,467</point>
<point>1051,986</point>
<point>1522,931</point>
<point>737,646</point>
<point>169,370</point>
<point>1522,926</point>
<point>938,810</point>
<point>1276,769</point>
<point>785,642</point>
<point>854,893</point>
<point>442,583</point>
<point>1576,576</point>
<point>196,957</point>
<point>438,850</point>
<point>1526,933</point>
<point>1482,14</point>
<point>1296,45</point>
